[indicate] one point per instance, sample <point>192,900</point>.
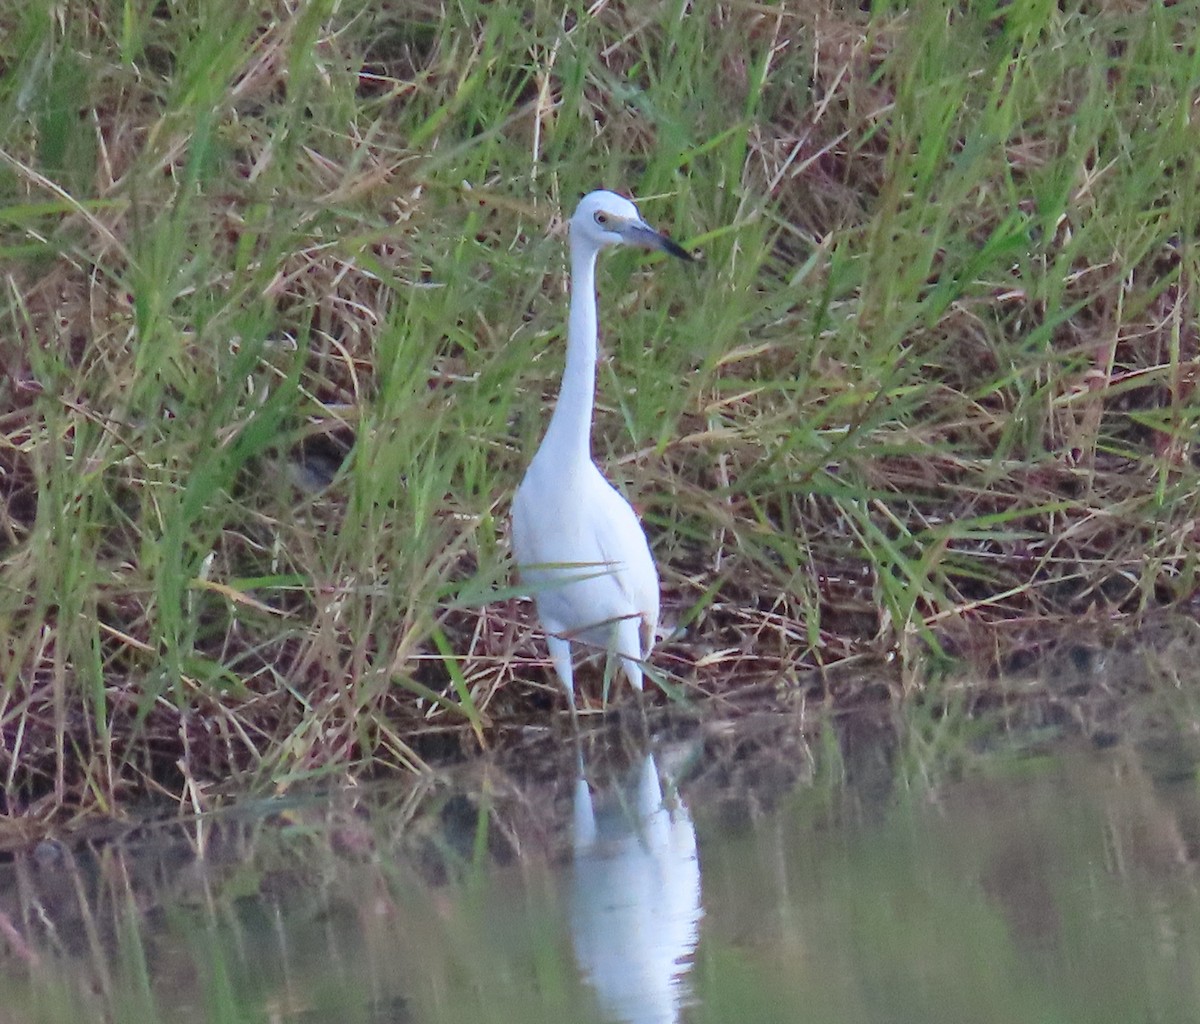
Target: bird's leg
<point>629,646</point>
<point>629,653</point>
<point>560,655</point>
<point>633,718</point>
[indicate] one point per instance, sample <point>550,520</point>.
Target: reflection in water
<point>635,896</point>
<point>848,882</point>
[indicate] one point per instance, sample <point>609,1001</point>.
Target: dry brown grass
<point>929,400</point>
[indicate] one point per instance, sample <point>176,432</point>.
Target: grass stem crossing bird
<point>578,543</point>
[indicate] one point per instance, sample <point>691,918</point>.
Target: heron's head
<point>604,218</point>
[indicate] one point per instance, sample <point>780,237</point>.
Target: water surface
<point>751,871</point>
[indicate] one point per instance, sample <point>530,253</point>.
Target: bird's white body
<point>592,575</point>
<point>578,543</point>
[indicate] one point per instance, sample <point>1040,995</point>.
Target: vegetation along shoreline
<point>283,321</point>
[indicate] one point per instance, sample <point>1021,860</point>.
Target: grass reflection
<point>876,868</point>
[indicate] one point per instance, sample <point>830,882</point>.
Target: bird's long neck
<point>569,435</point>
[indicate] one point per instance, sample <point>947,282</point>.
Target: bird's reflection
<point>635,895</point>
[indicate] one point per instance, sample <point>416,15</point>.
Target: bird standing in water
<point>578,543</point>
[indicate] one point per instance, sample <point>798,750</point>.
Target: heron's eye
<point>601,218</point>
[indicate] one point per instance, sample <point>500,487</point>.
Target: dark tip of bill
<point>677,250</point>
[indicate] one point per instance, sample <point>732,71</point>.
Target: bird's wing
<point>521,544</point>
<point>622,543</point>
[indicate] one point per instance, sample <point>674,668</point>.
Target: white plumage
<point>578,543</point>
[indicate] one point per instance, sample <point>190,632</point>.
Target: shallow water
<point>836,877</point>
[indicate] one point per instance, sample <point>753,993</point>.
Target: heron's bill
<point>645,236</point>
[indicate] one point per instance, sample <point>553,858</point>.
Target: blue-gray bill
<point>645,236</point>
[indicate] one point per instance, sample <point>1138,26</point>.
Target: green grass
<point>930,392</point>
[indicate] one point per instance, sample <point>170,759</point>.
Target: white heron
<point>578,543</point>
